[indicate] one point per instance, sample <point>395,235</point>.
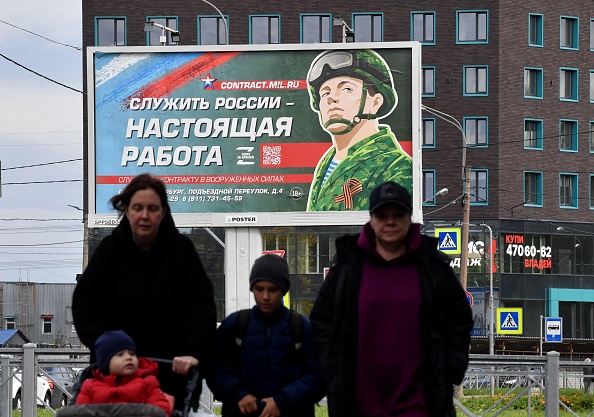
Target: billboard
<point>255,135</point>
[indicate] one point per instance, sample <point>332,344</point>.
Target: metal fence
<point>521,374</point>
<point>30,363</point>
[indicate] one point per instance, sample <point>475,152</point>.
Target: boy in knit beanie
<point>261,369</point>
<point>122,377</point>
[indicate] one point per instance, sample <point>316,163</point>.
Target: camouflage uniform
<point>370,162</point>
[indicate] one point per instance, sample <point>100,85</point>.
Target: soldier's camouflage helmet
<point>363,64</point>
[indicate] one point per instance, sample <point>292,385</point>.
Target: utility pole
<point>465,227</point>
<point>466,187</point>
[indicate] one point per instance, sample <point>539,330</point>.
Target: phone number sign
<point>538,257</point>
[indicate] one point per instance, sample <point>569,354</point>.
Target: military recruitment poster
<point>255,134</point>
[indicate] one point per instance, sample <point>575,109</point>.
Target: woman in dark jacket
<point>147,279</point>
<point>391,322</point>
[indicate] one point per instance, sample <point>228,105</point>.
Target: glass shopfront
<point>530,258</point>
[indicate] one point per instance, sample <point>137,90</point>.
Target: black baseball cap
<point>390,193</point>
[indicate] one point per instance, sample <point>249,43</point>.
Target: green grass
<point>477,401</point>
<point>42,412</point>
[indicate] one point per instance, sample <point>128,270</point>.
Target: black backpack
<point>243,319</point>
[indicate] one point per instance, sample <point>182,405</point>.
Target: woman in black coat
<point>147,279</point>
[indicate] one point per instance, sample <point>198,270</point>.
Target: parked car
<point>62,379</point>
<point>519,376</point>
<point>476,378</point>
<point>44,393</point>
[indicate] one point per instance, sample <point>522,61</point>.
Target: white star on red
<point>208,81</point>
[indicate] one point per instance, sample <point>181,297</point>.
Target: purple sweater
<point>389,343</point>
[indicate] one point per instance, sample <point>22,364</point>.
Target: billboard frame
<point>258,219</point>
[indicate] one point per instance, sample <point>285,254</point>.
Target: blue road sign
<point>509,321</point>
<point>448,239</point>
<point>553,329</point>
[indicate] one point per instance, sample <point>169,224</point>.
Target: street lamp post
<point>466,202</point>
<point>163,38</point>
<point>348,35</point>
<point>491,309</point>
<point>491,302</point>
<point>466,187</point>
<point>443,191</point>
<point>222,17</point>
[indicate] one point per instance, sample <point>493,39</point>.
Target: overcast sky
<point>41,123</point>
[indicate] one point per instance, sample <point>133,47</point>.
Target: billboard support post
<point>242,247</point>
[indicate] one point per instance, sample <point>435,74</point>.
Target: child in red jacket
<point>122,377</point>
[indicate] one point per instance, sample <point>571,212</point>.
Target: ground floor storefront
<point>546,269</point>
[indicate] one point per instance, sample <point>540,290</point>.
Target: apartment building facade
<point>507,86</point>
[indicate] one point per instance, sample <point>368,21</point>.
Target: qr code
<point>271,155</point>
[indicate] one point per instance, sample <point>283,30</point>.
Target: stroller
<point>191,402</point>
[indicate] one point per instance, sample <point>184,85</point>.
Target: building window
<point>428,133</point>
<point>533,82</point>
<point>154,36</point>
<point>591,198</point>
<point>264,29</point>
<point>428,80</point>
<point>533,134</point>
<point>475,80</point>
<point>475,131</point>
<point>591,86</point>
<point>110,31</point>
<point>535,29</point>
<point>478,187</point>
<point>211,30</point>
<point>316,28</point>
<point>568,135</point>
<point>46,326</point>
<point>568,190</point>
<point>9,323</point>
<point>533,188</point>
<point>591,136</point>
<point>569,32</point>
<point>428,187</point>
<point>592,34</point>
<point>568,84</point>
<point>423,27</point>
<point>472,26</point>
<point>302,252</point>
<point>368,27</point>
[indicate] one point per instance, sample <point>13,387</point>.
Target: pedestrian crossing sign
<point>449,240</point>
<point>509,321</point>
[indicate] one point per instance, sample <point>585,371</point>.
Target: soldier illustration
<point>351,91</point>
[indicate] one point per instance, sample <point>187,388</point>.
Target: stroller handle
<point>191,389</point>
